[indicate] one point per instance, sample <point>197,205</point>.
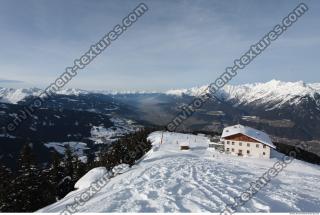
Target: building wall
<point>248,149</point>
<point>241,137</point>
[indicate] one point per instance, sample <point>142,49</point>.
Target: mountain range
<point>274,93</point>
<point>288,111</point>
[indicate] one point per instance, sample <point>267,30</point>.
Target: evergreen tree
<point>56,170</point>
<point>56,174</point>
<point>27,185</point>
<point>79,168</point>
<point>66,183</point>
<point>126,150</point>
<point>26,160</point>
<point>5,188</point>
<point>68,162</point>
<point>91,163</point>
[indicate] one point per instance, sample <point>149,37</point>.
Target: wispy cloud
<point>10,81</point>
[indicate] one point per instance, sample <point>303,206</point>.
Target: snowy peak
<point>274,91</point>
<point>72,91</point>
<point>315,86</point>
<point>194,91</point>
<point>271,92</point>
<point>272,87</point>
<point>9,95</point>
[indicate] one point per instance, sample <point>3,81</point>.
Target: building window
<point>232,143</point>
<point>232,150</point>
<point>228,149</point>
<point>263,153</point>
<point>240,152</point>
<point>257,145</point>
<point>248,152</point>
<point>228,142</point>
<point>264,146</point>
<point>240,144</point>
<point>248,144</point>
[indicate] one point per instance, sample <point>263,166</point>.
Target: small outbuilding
<point>184,146</point>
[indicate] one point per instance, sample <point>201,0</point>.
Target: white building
<point>245,141</point>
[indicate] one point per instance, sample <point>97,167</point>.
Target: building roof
<point>259,136</point>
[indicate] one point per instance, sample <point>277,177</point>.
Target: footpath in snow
<point>198,180</point>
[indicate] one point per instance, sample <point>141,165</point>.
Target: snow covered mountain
<point>170,180</point>
<point>273,92</point>
<point>9,95</point>
<point>13,96</point>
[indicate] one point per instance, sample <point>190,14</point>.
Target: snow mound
<point>122,168</point>
<point>91,176</point>
<point>199,180</point>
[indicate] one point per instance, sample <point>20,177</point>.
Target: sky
<point>175,44</point>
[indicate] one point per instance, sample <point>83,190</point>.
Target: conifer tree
<point>27,193</point>
<point>56,174</point>
<point>79,168</point>
<point>5,189</point>
<point>68,161</point>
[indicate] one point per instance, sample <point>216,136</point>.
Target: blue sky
<point>176,44</point>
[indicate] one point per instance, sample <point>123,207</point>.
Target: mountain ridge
<point>273,91</point>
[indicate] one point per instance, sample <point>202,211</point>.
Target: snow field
<point>170,180</point>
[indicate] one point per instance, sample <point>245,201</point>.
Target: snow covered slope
<point>170,180</point>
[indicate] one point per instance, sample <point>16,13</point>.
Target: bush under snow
<point>91,176</point>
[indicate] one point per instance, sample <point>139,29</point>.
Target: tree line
<point>34,185</point>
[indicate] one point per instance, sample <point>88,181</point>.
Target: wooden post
<point>161,137</point>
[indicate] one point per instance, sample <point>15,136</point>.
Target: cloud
<point>10,81</point>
